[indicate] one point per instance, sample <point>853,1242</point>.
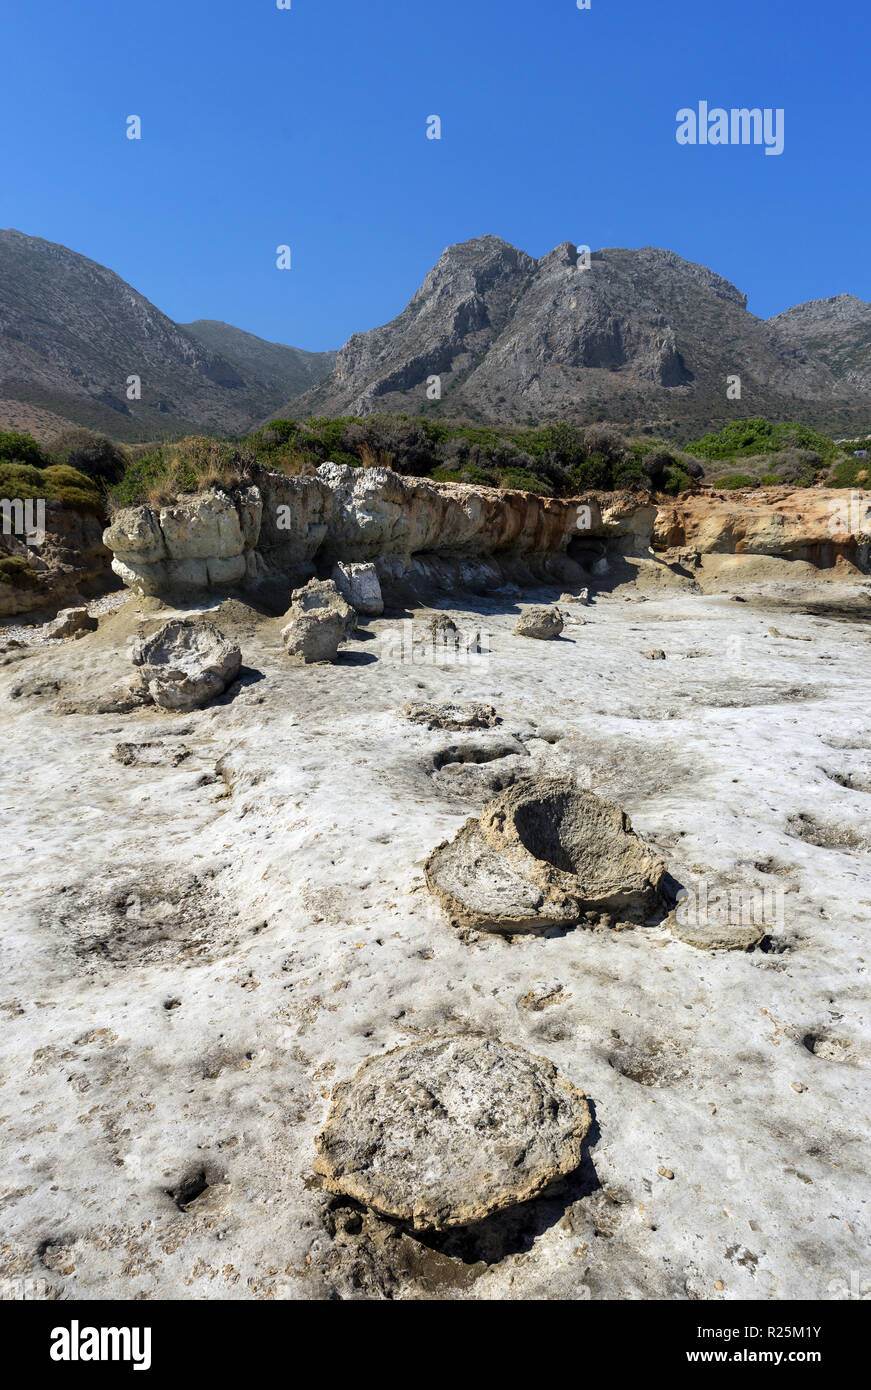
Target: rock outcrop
<point>319,620</point>
<point>185,664</point>
<point>444,1133</point>
<point>421,536</point>
<point>546,854</point>
<point>69,563</point>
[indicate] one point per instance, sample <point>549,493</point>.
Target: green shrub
<point>22,448</point>
<point>851,473</point>
<point>736,480</point>
<point>675,480</point>
<point>22,480</point>
<point>746,438</point>
<point>95,455</point>
<point>15,570</point>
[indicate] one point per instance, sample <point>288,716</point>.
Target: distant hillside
<point>835,331</point>
<point>635,336</point>
<point>286,371</point>
<point>71,332</point>
<point>640,338</point>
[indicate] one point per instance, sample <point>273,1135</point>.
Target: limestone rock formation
<point>542,623</point>
<point>319,620</point>
<point>185,664</point>
<point>359,585</point>
<point>201,541</point>
<point>545,853</point>
<point>69,563</point>
<point>444,1133</point>
<point>71,622</point>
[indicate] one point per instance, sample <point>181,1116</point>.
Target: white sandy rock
<point>319,620</point>
<point>71,622</point>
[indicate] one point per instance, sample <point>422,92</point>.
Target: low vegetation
<point>30,470</point>
<point>91,472</point>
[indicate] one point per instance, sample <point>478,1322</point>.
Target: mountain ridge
<point>639,337</point>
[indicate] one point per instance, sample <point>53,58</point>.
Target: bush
<point>736,480</point>
<point>676,480</point>
<point>57,483</point>
<point>95,455</point>
<point>747,438</point>
<point>22,448</point>
<point>15,570</point>
<point>851,473</point>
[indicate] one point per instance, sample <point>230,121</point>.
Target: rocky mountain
<point>627,335</point>
<point>286,371</point>
<point>72,332</point>
<point>835,331</point>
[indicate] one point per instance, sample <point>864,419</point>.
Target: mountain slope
<point>835,331</point>
<point>636,335</point>
<point>72,332</point>
<point>286,371</point>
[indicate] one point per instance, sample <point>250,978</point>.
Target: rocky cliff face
<point>632,333</point>
<point>69,564</point>
<point>424,535</point>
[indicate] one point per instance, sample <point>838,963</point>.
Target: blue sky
<point>306,127</point>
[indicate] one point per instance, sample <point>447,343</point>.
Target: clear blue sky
<point>307,127</point>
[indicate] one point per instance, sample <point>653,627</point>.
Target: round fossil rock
<point>545,853</point>
<point>444,1133</point>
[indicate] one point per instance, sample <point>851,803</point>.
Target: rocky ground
<point>210,919</point>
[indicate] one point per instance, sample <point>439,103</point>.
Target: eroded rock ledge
<point>421,535</point>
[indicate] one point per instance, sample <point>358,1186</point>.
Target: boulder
<point>71,622</point>
<point>543,623</point>
<point>360,587</point>
<point>545,853</point>
<point>186,663</point>
<point>443,1133</point>
<point>319,620</point>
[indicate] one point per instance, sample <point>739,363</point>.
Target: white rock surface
<point>195,953</point>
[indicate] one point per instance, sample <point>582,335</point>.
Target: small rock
<point>665,1172</point>
<point>319,620</point>
<point>71,622</point>
<point>360,587</point>
<point>541,623</point>
<point>655,654</point>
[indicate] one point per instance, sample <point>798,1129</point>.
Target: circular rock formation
<point>546,853</point>
<point>185,664</point>
<point>444,1133</point>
